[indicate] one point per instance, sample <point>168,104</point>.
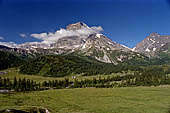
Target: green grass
<point>93,100</point>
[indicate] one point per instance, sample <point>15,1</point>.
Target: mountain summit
<point>76,26</point>
<point>152,44</point>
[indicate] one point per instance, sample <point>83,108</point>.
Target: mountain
<point>81,40</point>
<point>103,49</point>
<point>153,45</point>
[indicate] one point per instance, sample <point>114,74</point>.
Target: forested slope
<point>8,60</point>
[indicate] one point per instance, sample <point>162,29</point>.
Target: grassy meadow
<point>88,100</point>
<point>94,100</point>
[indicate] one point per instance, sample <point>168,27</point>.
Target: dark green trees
<point>8,60</point>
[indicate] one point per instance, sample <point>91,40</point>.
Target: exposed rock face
<point>76,26</point>
<point>151,44</point>
<point>102,48</point>
<point>70,42</point>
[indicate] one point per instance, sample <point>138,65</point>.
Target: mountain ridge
<point>80,39</point>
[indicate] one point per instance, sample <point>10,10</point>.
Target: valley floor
<point>93,100</point>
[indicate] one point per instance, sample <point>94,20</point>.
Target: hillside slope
<point>63,65</point>
<point>8,60</point>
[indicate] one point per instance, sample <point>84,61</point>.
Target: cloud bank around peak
<point>54,37</point>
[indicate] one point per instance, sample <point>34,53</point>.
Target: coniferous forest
<point>151,76</point>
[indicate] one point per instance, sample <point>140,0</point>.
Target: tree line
<point>147,78</point>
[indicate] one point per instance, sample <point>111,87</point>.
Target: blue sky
<point>124,21</point>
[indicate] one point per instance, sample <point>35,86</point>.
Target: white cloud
<point>53,37</point>
<point>22,35</point>
<point>1,38</point>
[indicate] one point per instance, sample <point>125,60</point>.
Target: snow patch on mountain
<point>125,47</point>
<point>98,35</point>
<point>147,50</point>
<point>154,49</point>
<point>153,41</point>
<point>133,49</point>
<point>84,46</point>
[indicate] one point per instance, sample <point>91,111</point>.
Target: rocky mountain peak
<point>151,44</point>
<point>154,34</point>
<point>76,26</point>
